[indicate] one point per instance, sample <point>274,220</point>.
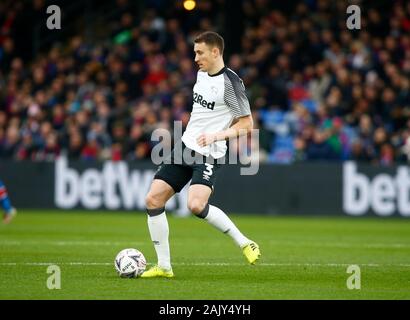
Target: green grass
<point>302,257</point>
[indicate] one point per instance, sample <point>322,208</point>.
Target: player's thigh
<point>177,176</point>
<point>160,192</point>
<point>205,174</point>
<point>198,197</point>
<point>202,186</point>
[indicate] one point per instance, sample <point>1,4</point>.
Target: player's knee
<point>153,201</point>
<point>196,206</point>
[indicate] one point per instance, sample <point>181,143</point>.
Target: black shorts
<point>179,169</point>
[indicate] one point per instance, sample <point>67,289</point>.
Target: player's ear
<point>215,52</point>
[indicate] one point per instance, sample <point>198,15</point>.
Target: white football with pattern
<point>130,263</point>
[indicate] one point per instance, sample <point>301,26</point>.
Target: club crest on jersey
<point>200,100</point>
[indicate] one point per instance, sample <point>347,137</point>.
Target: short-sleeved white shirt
<point>217,101</point>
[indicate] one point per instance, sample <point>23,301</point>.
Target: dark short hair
<point>211,39</point>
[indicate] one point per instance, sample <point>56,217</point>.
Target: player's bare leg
<point>160,192</point>
<point>198,196</point>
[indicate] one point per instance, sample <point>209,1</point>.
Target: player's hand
<point>206,139</point>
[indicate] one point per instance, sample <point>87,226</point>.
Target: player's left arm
<point>242,126</point>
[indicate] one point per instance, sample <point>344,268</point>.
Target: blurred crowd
<point>318,91</point>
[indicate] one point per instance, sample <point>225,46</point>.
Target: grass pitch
<point>302,258</point>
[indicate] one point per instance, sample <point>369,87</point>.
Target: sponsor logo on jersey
<point>201,101</point>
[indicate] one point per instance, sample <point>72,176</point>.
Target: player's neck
<point>216,68</point>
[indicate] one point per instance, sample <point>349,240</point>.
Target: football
<point>130,263</point>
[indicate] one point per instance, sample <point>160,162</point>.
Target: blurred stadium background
<point>117,69</point>
<point>332,105</point>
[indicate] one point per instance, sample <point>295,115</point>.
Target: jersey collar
<point>218,73</point>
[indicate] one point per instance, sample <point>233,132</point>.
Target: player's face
<point>204,56</point>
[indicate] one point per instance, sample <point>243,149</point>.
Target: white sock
<point>159,230</point>
<point>221,221</point>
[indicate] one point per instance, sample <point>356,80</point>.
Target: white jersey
<point>218,100</point>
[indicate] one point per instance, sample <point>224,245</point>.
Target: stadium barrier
<point>349,188</point>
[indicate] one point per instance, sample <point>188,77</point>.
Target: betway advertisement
<point>345,189</point>
<point>384,193</point>
<point>114,186</point>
